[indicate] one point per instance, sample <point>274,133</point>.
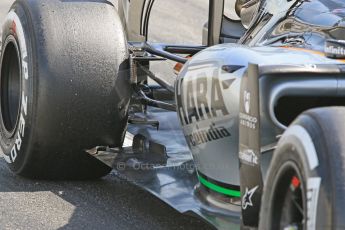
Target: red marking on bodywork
<point>295,182</point>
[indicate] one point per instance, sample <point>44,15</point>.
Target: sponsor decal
<point>247,198</point>
<point>211,134</point>
<point>200,101</point>
<point>248,121</point>
<point>313,187</point>
<point>248,157</point>
<point>17,28</point>
<point>246,101</point>
<point>245,118</point>
<point>336,50</point>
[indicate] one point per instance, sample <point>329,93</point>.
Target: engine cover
<point>207,99</point>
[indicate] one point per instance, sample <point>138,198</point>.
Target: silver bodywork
<point>172,175</point>
<point>211,98</point>
<point>219,159</point>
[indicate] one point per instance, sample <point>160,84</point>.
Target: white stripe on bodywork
<point>307,143</point>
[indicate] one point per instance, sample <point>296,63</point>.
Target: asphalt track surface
<point>109,203</point>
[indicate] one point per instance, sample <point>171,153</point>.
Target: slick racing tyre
<point>64,87</point>
<point>305,186</point>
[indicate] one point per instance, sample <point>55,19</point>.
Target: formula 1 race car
<point>250,135</point>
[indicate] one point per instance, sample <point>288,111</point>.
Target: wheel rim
<point>288,204</point>
<point>10,88</point>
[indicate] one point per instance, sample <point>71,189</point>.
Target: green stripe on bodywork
<point>219,189</point>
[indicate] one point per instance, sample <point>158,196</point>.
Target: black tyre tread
<point>332,124</point>
<point>80,87</point>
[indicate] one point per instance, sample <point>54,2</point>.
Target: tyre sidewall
<point>14,145</point>
<point>310,159</point>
